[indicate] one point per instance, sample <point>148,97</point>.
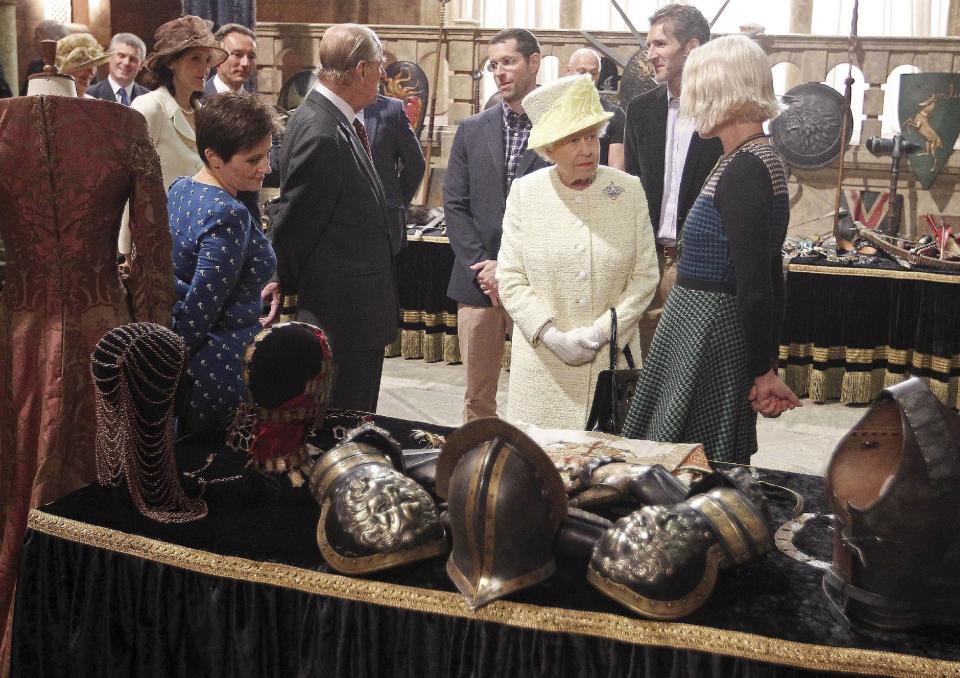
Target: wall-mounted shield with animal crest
<point>929,112</point>
<point>406,81</point>
<point>807,133</point>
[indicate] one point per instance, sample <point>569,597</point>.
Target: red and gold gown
<point>67,168</point>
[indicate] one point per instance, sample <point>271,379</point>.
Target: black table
<point>428,318</point>
<point>849,331</point>
<point>245,592</point>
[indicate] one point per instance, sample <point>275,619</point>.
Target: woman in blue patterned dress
<point>711,364</point>
<point>222,261</point>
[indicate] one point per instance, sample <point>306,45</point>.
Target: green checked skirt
<point>694,386</point>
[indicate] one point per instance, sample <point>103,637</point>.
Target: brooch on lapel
<point>612,191</point>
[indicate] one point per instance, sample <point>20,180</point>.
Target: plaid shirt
<point>516,131</point>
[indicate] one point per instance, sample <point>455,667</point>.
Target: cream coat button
<point>583,275</point>
<point>578,223</point>
<point>578,198</point>
<point>583,301</point>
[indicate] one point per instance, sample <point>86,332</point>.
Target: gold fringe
<point>411,344</point>
<point>876,273</point>
<point>615,627</point>
<point>505,359</point>
<point>893,378</point>
<point>797,377</point>
<point>451,349</point>
<point>433,347</point>
<point>393,350</point>
<point>939,389</point>
<point>858,388</point>
<point>825,384</point>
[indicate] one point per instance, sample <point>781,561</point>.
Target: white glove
<point>588,336</point>
<point>566,348</point>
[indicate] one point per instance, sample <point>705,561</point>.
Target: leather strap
<point>614,348</point>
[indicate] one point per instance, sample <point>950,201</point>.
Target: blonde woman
<point>78,55</point>
<point>711,364</point>
<point>576,242</point>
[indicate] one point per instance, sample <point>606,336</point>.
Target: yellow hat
<point>79,50</point>
<point>563,107</point>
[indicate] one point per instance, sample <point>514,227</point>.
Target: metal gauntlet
<point>372,517</point>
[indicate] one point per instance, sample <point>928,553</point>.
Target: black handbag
<point>614,391</point>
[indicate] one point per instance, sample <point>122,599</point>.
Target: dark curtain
<point>221,12</point>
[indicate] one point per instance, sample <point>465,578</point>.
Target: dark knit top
<point>731,243</point>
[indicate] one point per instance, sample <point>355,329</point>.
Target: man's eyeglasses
<point>506,63</point>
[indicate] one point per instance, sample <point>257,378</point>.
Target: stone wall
<point>286,47</point>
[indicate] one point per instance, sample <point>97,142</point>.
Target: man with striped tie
<point>128,52</point>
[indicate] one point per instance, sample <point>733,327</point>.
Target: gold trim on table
<point>821,381</point>
<point>522,615</point>
<point>924,276</point>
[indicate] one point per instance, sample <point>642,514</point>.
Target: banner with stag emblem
<point>929,112</point>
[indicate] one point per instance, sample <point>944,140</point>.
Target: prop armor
<point>372,517</point>
<point>894,482</point>
<point>506,503</point>
<point>662,561</point>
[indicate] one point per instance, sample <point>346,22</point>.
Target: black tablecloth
<point>428,318</point>
<point>245,592</point>
<point>850,331</point>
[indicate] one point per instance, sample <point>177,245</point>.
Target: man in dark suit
<point>396,155</point>
<point>333,235</point>
<point>488,152</point>
<point>120,85</point>
<point>670,158</point>
<point>236,71</point>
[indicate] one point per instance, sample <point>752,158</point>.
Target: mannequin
<point>50,82</point>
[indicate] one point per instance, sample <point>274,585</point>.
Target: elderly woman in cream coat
<point>576,242</point>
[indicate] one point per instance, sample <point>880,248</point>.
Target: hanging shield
<point>807,133</point>
<point>406,81</point>
<point>929,112</point>
<point>295,90</point>
<point>637,78</point>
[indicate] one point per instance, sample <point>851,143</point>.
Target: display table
<point>428,318</point>
<point>850,332</point>
<point>245,592</point>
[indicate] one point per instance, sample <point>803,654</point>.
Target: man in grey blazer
<point>128,53</point>
<point>488,152</point>
<point>333,232</point>
<point>396,155</point>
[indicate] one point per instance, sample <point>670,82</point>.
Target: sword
<point>423,193</point>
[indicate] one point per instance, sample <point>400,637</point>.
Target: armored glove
<point>567,348</point>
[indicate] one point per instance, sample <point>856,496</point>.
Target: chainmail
<point>140,365</point>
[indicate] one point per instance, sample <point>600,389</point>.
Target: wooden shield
<point>295,90</point>
<point>929,112</point>
<point>406,81</point>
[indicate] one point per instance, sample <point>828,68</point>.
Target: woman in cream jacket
<point>185,52</point>
<point>576,241</point>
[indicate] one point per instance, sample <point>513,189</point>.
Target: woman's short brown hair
<point>231,122</point>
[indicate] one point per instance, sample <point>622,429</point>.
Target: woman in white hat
<point>576,242</point>
<point>712,362</point>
